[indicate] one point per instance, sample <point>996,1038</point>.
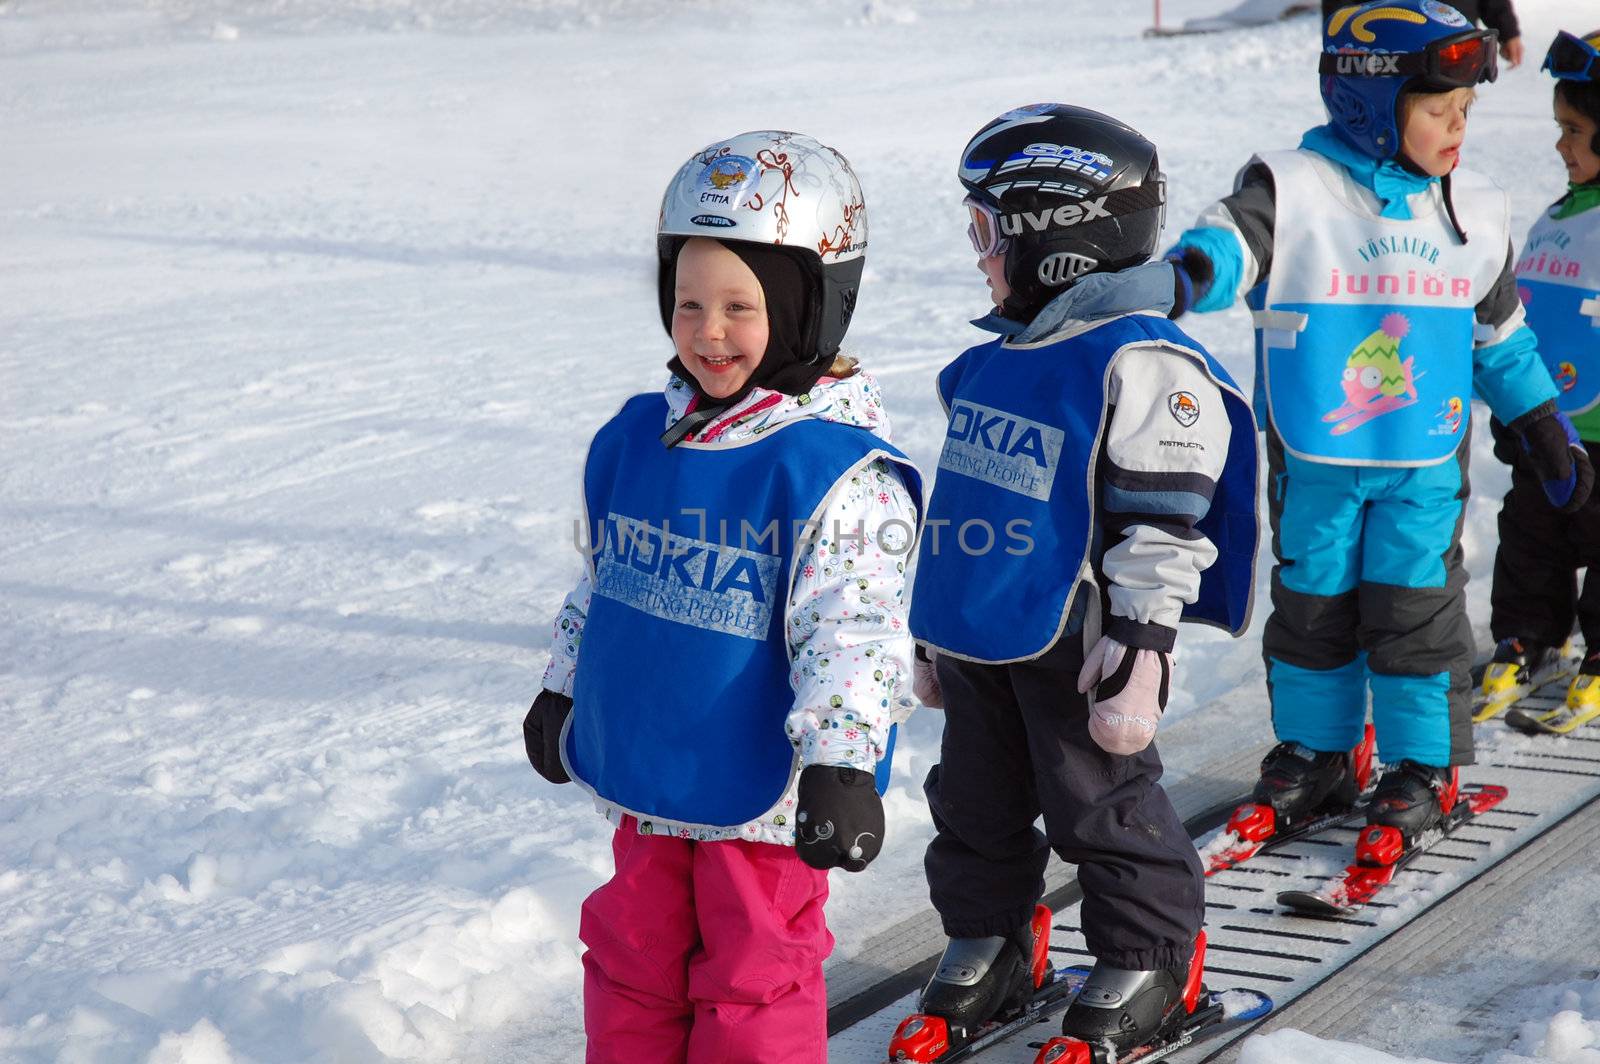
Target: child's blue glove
<point>1556,455</point>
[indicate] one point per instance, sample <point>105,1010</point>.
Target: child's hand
<point>541,733</point>
<point>925,678</point>
<point>1557,456</point>
<point>1127,689</point>
<point>838,818</point>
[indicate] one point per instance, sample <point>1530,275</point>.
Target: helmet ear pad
<point>834,301</point>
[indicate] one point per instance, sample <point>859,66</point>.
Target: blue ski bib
<point>1009,528</point>
<point>1558,277</point>
<point>682,685</point>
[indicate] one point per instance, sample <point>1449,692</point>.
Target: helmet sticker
<point>713,221</point>
<point>1360,20</point>
<point>1092,164</point>
<point>1026,111</point>
<point>777,162</point>
<point>724,180</point>
<point>1444,13</point>
<point>843,238</point>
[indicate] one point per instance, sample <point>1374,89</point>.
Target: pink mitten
<point>925,678</point>
<point>1127,691</point>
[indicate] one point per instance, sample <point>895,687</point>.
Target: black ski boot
<point>1128,1009</point>
<point>1412,798</point>
<point>980,979</point>
<point>1298,782</point>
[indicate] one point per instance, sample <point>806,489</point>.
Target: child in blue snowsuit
<point>1381,282</point>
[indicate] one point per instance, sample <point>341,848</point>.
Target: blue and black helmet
<point>1373,52</point>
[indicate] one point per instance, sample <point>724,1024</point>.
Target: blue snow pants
<point>1369,593</point>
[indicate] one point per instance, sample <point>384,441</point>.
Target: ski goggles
<point>988,237</point>
<point>984,228</point>
<point>1573,58</point>
<point>1457,62</point>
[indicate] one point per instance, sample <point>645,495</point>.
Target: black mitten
<point>541,733</point>
<point>838,818</point>
<point>1557,456</point>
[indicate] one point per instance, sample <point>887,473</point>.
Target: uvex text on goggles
<point>1457,62</point>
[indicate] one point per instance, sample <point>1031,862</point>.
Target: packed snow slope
<point>309,309</point>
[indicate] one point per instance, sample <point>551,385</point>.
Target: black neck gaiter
<point>789,294</point>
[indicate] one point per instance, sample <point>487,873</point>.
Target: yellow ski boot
<point>1516,671</point>
<point>1582,705</point>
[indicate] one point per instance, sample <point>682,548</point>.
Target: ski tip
<point>1525,722</point>
<point>1310,903</point>
<point>1484,797</point>
<point>1240,1005</point>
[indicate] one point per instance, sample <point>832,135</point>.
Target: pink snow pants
<point>705,953</point>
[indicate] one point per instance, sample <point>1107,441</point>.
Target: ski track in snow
<point>311,307</point>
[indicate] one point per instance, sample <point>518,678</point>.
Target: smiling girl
<point>741,620</point>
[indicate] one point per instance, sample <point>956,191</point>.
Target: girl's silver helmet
<point>783,189</point>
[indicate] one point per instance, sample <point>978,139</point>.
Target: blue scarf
<point>1388,180</point>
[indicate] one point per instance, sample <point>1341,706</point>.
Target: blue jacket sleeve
<point>1233,240</point>
<point>1511,377</point>
<point>1221,249</point>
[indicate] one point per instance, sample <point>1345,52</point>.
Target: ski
<point>1253,829</point>
<point>925,1038</point>
<point>1581,707</point>
<point>1381,852</point>
<point>1219,1012</point>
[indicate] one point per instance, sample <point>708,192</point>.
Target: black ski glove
<point>1556,456</point>
<point>1192,274</point>
<point>838,818</point>
<point>541,733</point>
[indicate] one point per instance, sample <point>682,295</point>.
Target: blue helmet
<point>1373,52</point>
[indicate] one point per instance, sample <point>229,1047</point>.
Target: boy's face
<point>994,268</point>
<point>1436,123</point>
<point>719,319</point>
<point>1576,143</point>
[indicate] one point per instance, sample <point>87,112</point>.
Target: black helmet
<point>1067,191</point>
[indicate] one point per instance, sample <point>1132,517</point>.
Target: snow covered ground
<point>307,311</point>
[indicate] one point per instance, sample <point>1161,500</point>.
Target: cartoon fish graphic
<point>1375,381</point>
<point>726,176</point>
